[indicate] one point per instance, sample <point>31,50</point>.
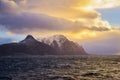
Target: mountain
<point>29,40</point>
<point>55,45</point>
<point>28,46</point>
<point>63,46</point>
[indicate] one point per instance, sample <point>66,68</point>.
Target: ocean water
<point>60,68</point>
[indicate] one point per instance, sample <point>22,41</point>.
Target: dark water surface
<point>60,68</point>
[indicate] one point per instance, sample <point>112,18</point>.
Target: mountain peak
<point>29,39</point>
<point>59,39</point>
<point>63,45</point>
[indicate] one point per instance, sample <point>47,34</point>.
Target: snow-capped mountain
<point>55,45</point>
<point>55,39</point>
<point>63,46</point>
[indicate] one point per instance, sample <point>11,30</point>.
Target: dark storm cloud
<point>29,22</point>
<point>8,7</point>
<point>24,21</point>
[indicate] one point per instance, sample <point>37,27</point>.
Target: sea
<point>67,67</point>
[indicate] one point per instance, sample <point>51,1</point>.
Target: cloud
<point>100,4</point>
<point>8,7</point>
<point>70,8</point>
<point>21,2</point>
<point>5,40</point>
<point>61,8</point>
<point>50,15</point>
<point>27,22</point>
<point>22,21</point>
<point>104,43</point>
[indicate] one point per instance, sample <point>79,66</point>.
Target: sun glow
<point>88,8</point>
<point>100,4</point>
<point>86,34</point>
<point>103,4</point>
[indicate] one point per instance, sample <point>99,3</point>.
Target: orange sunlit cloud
<point>82,11</point>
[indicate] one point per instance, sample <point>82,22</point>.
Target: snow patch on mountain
<point>58,39</point>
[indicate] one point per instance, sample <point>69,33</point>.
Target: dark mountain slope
<point>29,46</point>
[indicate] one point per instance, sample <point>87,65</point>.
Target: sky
<point>94,24</point>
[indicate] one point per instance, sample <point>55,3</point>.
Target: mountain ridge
<point>62,45</point>
<point>31,46</point>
